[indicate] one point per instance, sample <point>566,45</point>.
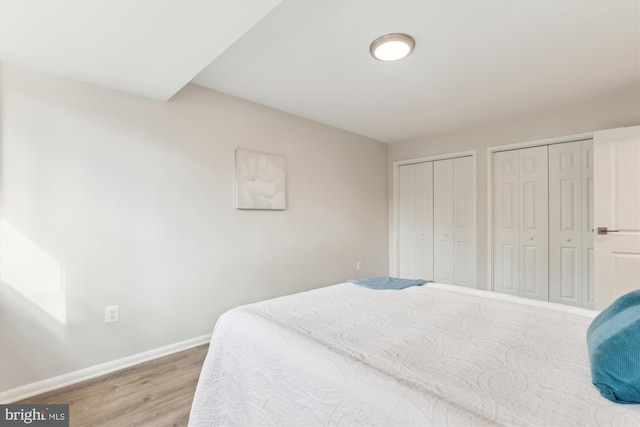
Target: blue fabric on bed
<point>386,282</point>
<point>613,341</point>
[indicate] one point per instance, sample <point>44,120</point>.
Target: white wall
<point>611,110</point>
<point>134,200</point>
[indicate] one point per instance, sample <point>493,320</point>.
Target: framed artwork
<point>260,180</point>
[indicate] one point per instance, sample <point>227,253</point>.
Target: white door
<point>587,225</point>
<point>534,223</point>
<point>565,223</point>
<point>616,210</point>
<point>506,222</point>
<point>464,223</point>
<point>443,221</point>
<point>520,213</point>
<point>415,221</point>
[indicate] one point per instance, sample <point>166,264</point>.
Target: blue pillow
<point>613,341</point>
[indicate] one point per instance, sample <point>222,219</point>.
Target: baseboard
<point>39,387</point>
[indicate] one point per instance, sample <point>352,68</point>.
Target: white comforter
<point>432,355</point>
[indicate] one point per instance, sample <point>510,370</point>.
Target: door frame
<point>393,255</point>
<point>508,147</point>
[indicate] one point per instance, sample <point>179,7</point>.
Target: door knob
<point>605,230</point>
<point>569,239</point>
<point>530,238</point>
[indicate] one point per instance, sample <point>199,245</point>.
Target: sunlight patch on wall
<point>32,272</point>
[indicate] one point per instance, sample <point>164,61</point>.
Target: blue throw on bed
<point>386,282</point>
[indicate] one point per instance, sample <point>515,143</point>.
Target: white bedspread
<point>432,355</point>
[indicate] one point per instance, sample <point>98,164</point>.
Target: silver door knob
<point>569,239</point>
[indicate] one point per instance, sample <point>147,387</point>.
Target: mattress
<point>432,355</point>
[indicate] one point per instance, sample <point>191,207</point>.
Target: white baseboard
<point>39,387</point>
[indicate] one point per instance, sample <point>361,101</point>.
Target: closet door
<point>565,223</point>
<point>534,223</point>
<point>443,232</point>
<point>415,221</point>
<point>506,222</point>
<point>454,222</point>
<point>571,223</point>
<point>464,223</point>
<point>520,222</point>
<point>587,225</point>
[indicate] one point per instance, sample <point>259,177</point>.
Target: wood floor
<point>154,393</point>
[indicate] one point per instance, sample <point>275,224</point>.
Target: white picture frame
<point>260,180</point>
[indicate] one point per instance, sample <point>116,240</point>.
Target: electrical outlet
<point>111,313</point>
<point>358,265</point>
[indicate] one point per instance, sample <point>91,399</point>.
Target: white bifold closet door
<point>571,223</point>
<point>454,222</point>
<point>415,221</point>
<point>520,213</point>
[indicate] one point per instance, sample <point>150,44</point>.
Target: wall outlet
<point>111,313</point>
<point>358,265</point>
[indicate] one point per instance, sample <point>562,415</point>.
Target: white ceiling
<point>475,61</point>
<point>149,48</point>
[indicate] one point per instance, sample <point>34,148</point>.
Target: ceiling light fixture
<point>392,47</point>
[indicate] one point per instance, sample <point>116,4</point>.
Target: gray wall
<point>134,200</point>
<point>611,110</point>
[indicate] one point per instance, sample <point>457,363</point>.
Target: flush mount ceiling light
<point>392,47</point>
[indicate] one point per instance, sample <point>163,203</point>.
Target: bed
<point>436,355</point>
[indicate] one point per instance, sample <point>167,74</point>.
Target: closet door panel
<point>565,223</point>
<point>406,183</point>
<point>587,224</point>
<point>415,221</point>
<point>443,195</point>
<point>534,229</point>
<point>506,222</point>
<point>464,223</point>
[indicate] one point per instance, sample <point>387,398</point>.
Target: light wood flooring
<point>154,393</point>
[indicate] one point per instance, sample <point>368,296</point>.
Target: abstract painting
<point>260,180</point>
